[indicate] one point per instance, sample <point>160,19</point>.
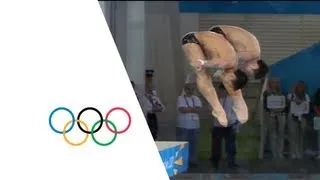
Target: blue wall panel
<point>258,7</point>
<point>304,65</point>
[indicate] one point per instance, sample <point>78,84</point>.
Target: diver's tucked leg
<point>206,88</point>
<point>239,105</point>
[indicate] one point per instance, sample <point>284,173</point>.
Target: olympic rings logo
<point>93,129</point>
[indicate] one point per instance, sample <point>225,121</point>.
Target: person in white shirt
<point>145,105</point>
<point>188,125</point>
<point>154,106</point>
<point>299,102</point>
<point>228,133</point>
<point>276,117</point>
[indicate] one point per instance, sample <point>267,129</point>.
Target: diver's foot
<point>241,113</point>
<point>240,108</point>
<point>221,117</point>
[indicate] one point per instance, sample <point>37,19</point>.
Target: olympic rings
<point>112,140</point>
<point>67,140</point>
<point>86,129</point>
<point>93,109</point>
<point>60,109</point>
<point>129,120</point>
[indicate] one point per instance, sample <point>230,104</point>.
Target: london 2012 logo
<point>84,127</point>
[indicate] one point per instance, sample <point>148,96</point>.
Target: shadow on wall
<point>304,65</point>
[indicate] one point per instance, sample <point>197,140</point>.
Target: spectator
<point>275,103</point>
<point>145,105</point>
<point>156,104</point>
<point>227,133</point>
<point>299,107</point>
<point>317,115</point>
<point>188,126</point>
<point>149,79</point>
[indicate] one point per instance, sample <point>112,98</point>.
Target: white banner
<point>300,109</point>
<point>316,123</point>
<point>276,102</point>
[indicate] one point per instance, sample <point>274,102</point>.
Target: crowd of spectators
<point>288,116</point>
<point>294,113</point>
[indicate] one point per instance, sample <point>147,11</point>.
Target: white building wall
<point>189,22</point>
<point>107,10</point>
<point>164,55</point>
<point>164,27</point>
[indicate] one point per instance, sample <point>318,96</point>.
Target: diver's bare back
<point>242,41</point>
<point>217,49</point>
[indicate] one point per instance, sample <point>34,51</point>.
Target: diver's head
<point>261,71</point>
<point>240,81</point>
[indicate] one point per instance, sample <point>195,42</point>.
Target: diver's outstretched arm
<point>216,63</point>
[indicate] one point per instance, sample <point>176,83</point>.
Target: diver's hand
<point>218,73</point>
<point>198,64</point>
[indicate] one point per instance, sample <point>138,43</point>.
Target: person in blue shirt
<point>228,133</point>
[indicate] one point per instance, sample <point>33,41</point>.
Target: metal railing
<point>261,117</point>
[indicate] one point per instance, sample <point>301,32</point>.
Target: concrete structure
<point>147,35</point>
<point>163,26</point>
